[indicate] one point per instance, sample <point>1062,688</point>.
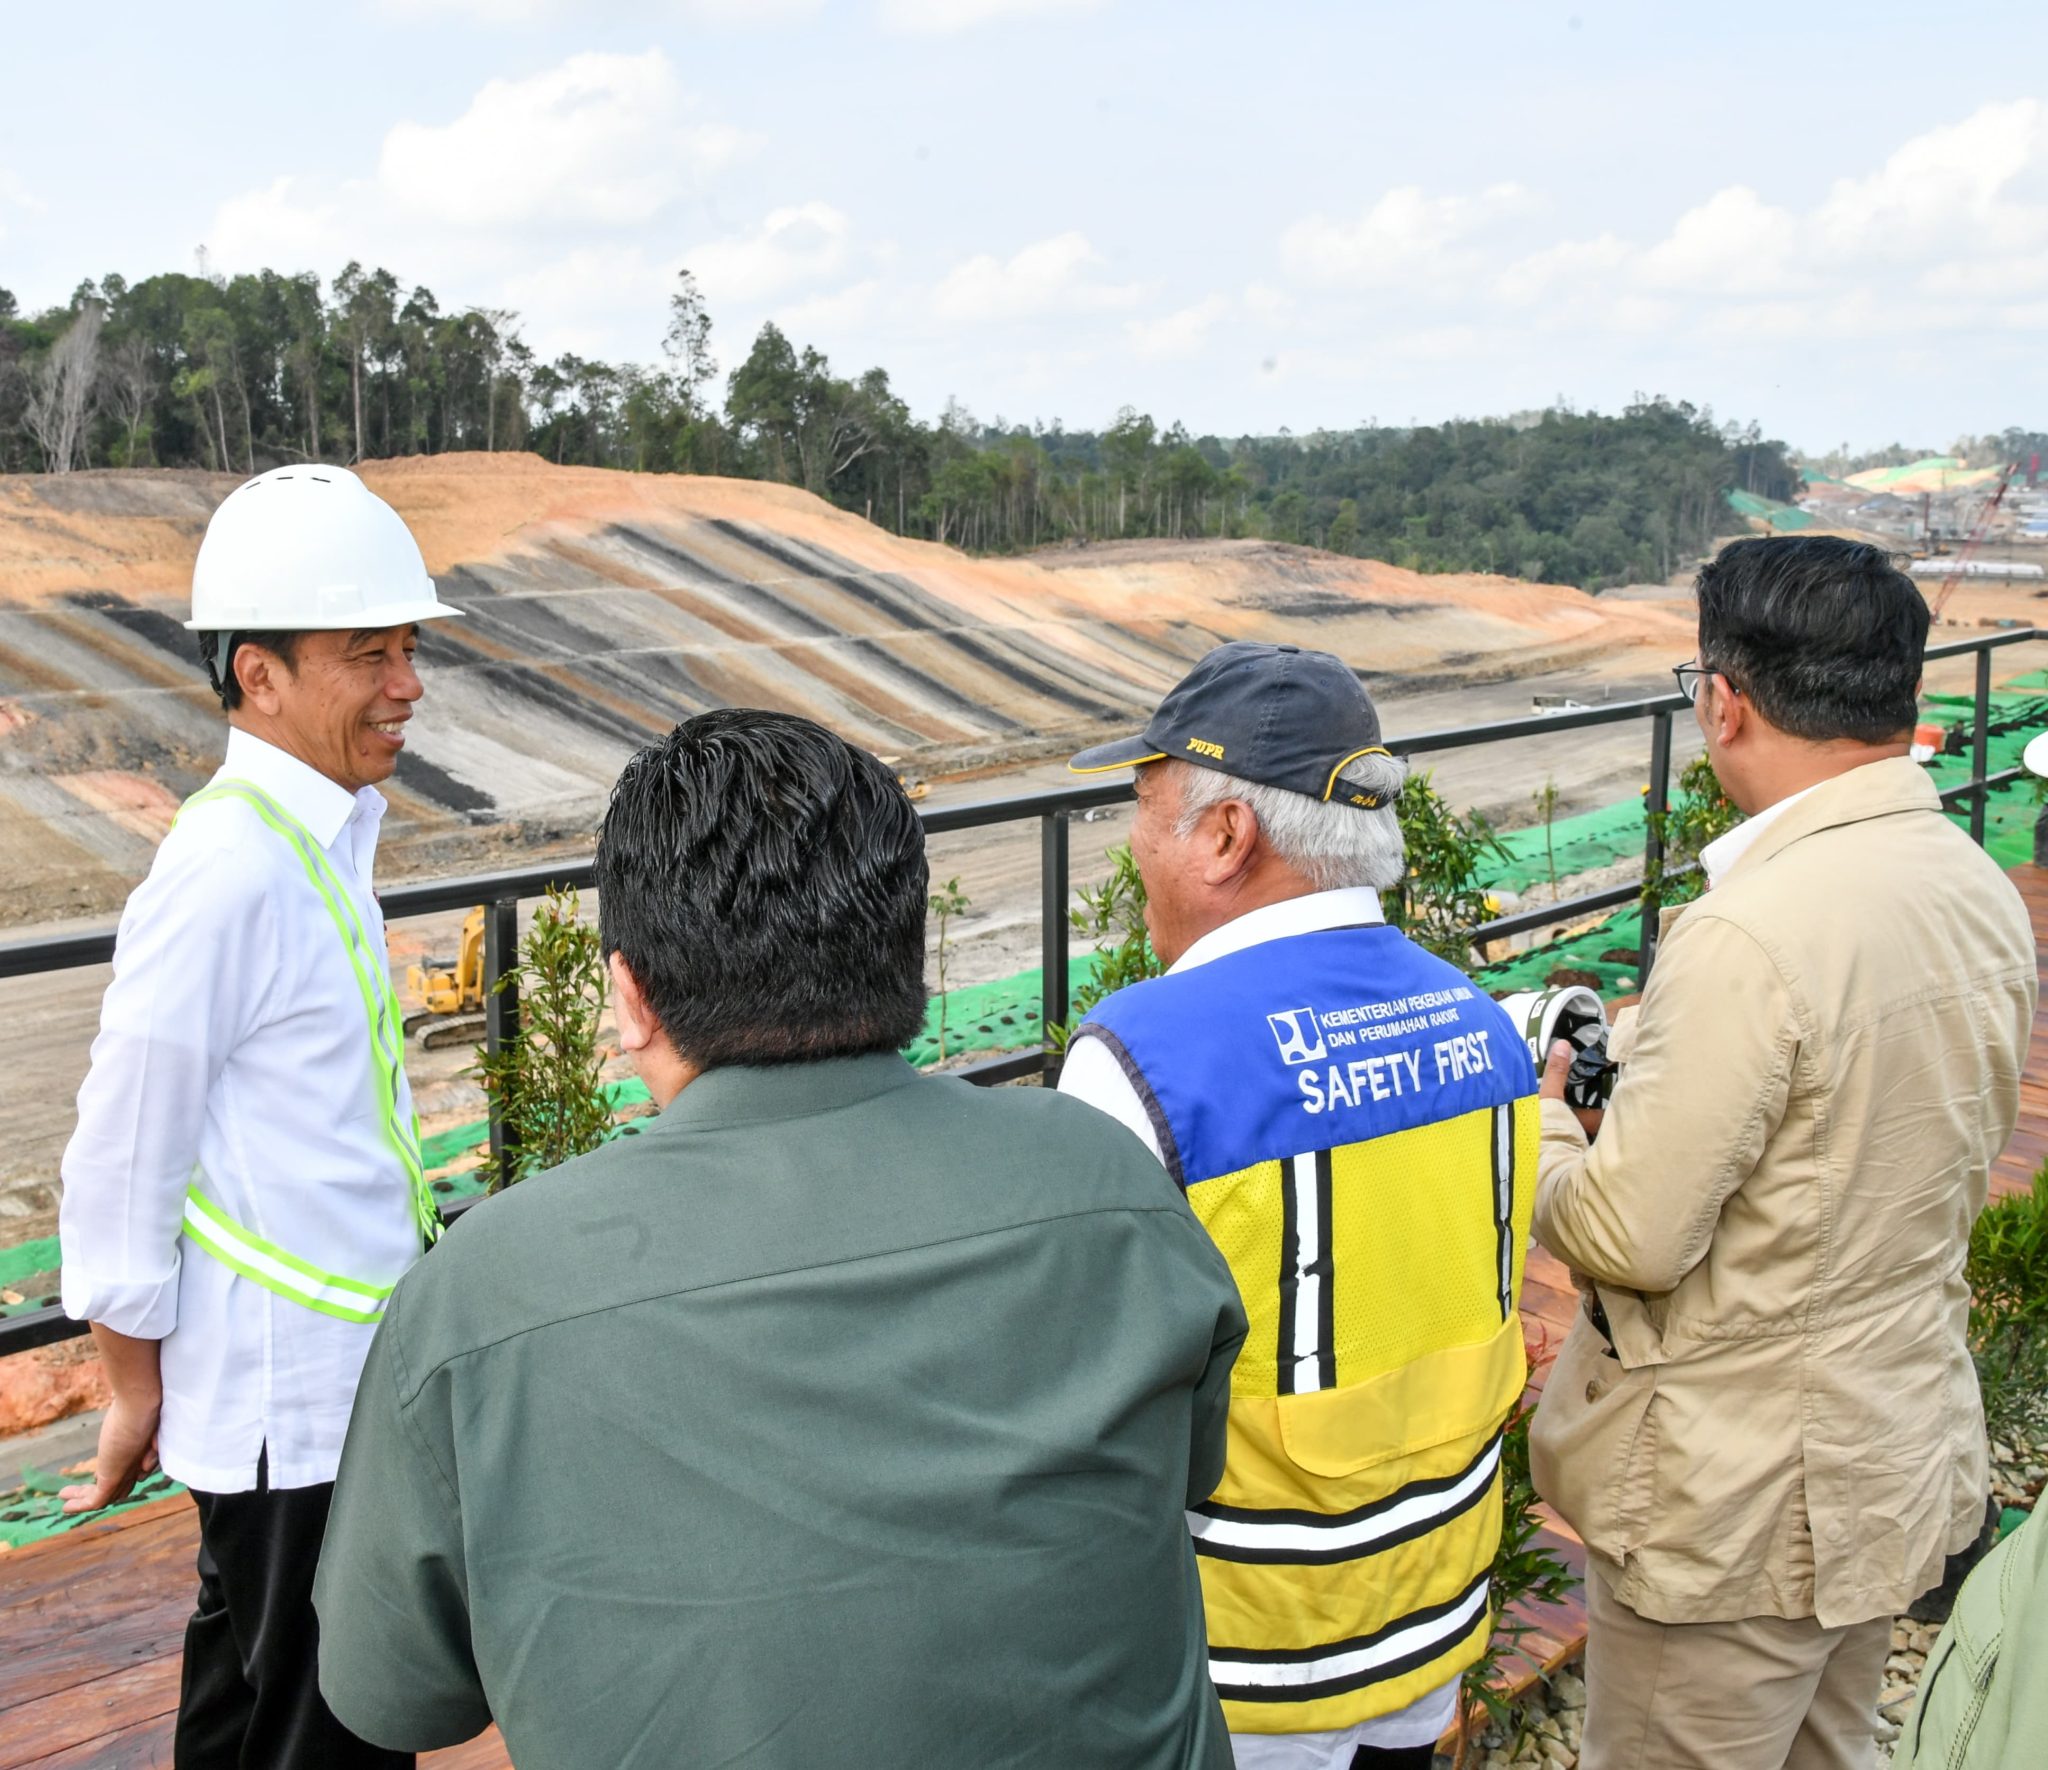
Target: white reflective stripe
<point>1349,1662</point>
<point>1504,1200</point>
<point>1357,1533</point>
<point>328,1292</point>
<point>1309,1234</point>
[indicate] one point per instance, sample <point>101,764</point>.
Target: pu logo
<point>1299,1038</point>
<point>1203,747</point>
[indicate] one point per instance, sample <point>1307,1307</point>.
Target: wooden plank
<point>145,1746</point>
<point>67,1719</point>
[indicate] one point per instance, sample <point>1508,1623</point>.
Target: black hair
<point>767,886</point>
<point>217,653</point>
<point>1824,635</point>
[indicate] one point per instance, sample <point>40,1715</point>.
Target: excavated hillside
<point>603,606</point>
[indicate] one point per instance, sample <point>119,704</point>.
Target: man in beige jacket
<point>1765,1423</point>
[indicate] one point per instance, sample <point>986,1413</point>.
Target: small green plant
<point>1441,901</point>
<point>1112,918</point>
<point>1523,1570</point>
<point>1700,814</point>
<point>548,1081</point>
<point>2008,1278</point>
<point>946,903</point>
<point>1546,808</point>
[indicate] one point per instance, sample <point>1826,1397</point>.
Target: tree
<point>128,380</point>
<point>946,903</point>
<point>60,390</point>
<point>687,342</point>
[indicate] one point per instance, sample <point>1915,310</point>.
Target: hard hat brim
<point>392,614</point>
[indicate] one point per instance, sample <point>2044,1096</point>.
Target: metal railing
<point>501,893</point>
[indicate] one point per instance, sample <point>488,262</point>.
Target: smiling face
<point>340,706</point>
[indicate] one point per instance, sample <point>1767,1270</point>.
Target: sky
<point>1833,222</point>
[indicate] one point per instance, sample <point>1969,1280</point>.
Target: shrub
<point>1441,900</point>
<point>1112,917</point>
<point>1700,813</point>
<point>2008,1278</point>
<point>548,1080</point>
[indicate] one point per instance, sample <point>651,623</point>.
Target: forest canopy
<point>241,373</point>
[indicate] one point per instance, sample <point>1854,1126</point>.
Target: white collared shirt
<point>1719,856</point>
<point>233,1040</point>
<point>1090,1073</point>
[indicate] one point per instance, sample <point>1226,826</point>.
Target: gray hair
<point>1329,843</point>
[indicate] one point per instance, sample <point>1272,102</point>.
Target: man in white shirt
<point>244,1186</point>
<point>1355,1125</point>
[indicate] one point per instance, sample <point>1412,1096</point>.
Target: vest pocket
<point>1461,1392</point>
<point>1589,1443</point>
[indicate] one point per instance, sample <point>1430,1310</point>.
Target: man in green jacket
<point>1983,1699</point>
<point>839,1415</point>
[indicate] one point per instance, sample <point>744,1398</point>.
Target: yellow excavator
<point>450,992</point>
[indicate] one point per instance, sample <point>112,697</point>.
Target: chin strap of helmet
<point>217,653</point>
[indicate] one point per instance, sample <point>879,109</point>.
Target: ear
<point>638,1029</point>
<point>1230,838</point>
<point>259,671</point>
<point>1729,714</point>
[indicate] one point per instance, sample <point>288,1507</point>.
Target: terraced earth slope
<point>604,606</point>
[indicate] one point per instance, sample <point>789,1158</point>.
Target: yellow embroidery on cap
<point>1202,747</point>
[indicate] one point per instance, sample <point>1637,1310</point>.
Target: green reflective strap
<point>373,984</point>
<point>276,1270</point>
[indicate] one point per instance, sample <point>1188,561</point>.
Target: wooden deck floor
<point>91,1622</point>
<point>2016,1168</point>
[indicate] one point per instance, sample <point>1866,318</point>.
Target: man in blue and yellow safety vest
<point>1354,1123</point>
<point>244,1186</point>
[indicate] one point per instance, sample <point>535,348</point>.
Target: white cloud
<point>1177,335</point>
<point>1049,277</point>
<point>1947,187</point>
<point>792,247</point>
<point>1405,237</point>
<point>1732,244</point>
<point>604,139</point>
<point>945,17</point>
<point>834,314</point>
<point>513,13</point>
<point>290,224</point>
<point>1570,266</point>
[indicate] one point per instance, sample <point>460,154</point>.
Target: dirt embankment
<point>603,606</point>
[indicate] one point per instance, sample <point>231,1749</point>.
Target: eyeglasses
<point>1690,676</point>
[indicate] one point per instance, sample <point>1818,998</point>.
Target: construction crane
<point>1957,571</point>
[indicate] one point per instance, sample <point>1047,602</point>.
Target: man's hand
<point>127,1453</point>
<point>128,1433</point>
<point>1555,1069</point>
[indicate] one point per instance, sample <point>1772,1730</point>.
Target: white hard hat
<point>309,549</point>
<point>2035,756</point>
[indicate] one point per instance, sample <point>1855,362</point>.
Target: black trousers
<point>1413,1757</point>
<point>250,1694</point>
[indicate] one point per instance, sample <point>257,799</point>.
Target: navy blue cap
<point>1272,714</point>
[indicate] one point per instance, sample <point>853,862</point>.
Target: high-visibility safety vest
<point>207,1226</point>
<point>1354,1123</point>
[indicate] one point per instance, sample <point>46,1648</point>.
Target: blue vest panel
<point>1306,1043</point>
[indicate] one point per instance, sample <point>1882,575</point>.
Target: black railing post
<point>1654,808</point>
<point>1056,990</point>
<point>1980,749</point>
<point>501,1008</point>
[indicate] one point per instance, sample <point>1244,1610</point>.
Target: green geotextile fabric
<point>32,1511</point>
<point>1581,843</point>
<point>1603,957</point>
<point>1784,517</point>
